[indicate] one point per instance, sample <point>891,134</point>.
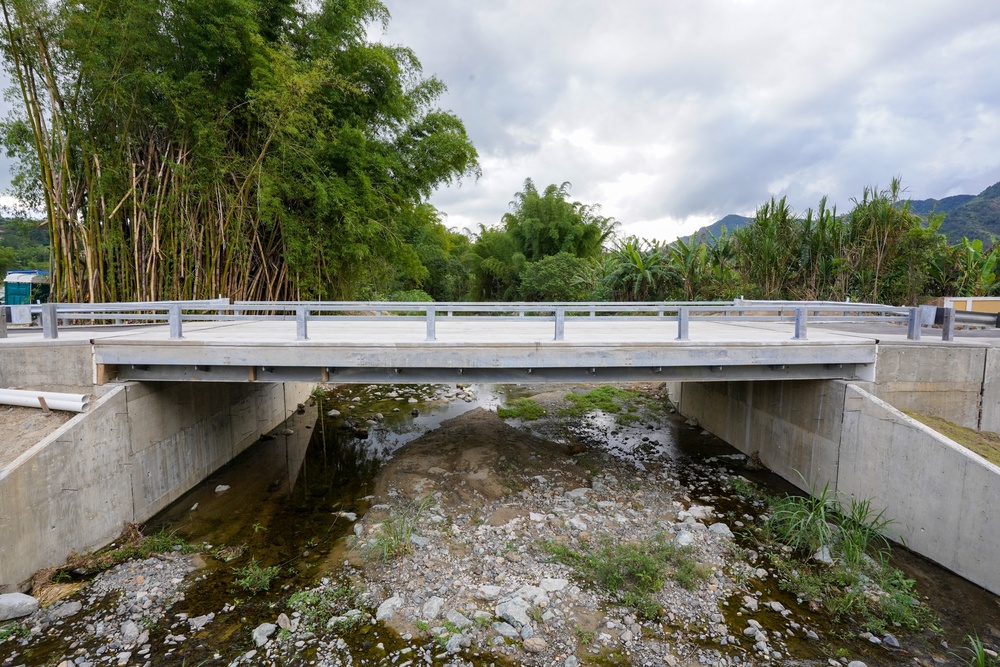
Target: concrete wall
<point>46,365</point>
<point>945,381</point>
<point>860,444</point>
<point>793,426</point>
<point>939,494</point>
<point>139,448</point>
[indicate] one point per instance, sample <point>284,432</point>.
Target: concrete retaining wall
<point>853,438</point>
<point>51,365</point>
<point>138,449</point>
<point>939,494</point>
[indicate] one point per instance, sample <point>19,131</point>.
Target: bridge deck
<point>477,349</point>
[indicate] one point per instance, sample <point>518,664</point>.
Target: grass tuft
<point>254,578</point>
<point>392,536</point>
<point>524,409</point>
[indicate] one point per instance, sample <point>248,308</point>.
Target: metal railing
<point>176,313</point>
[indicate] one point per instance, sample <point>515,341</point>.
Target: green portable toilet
<point>26,287</point>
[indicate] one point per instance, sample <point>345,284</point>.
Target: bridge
<point>816,390</point>
<point>216,341</point>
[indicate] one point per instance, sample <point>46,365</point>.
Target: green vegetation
<point>254,578</point>
<point>257,149</point>
<point>24,244</point>
<point>608,399</point>
<point>13,629</point>
<point>131,544</point>
<point>318,606</point>
<point>978,656</point>
<point>859,584</point>
<point>392,536</point>
<point>524,409</point>
<point>633,572</point>
<point>984,443</point>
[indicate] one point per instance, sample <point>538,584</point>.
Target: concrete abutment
<point>854,438</point>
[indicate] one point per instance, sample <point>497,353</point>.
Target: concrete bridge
<point>816,390</point>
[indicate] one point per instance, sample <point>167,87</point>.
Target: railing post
<point>800,324</point>
<point>913,327</point>
<point>431,323</point>
<point>682,324</point>
<point>174,318</point>
<point>50,325</point>
<point>560,323</point>
<point>3,321</point>
<point>301,323</point>
<point>948,325</point>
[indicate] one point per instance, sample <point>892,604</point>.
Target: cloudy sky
<point>673,113</point>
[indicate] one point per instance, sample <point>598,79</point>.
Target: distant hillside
<point>730,222</point>
<point>972,216</point>
<point>975,218</point>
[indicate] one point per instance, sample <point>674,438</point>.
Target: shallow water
<point>287,494</point>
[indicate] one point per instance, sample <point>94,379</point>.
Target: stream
<point>291,508</point>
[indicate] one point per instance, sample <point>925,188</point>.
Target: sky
<point>671,114</point>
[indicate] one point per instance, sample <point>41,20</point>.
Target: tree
<point>253,148</point>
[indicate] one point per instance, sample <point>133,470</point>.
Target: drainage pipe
<point>41,399</point>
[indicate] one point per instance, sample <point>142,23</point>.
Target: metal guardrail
<point>802,313</point>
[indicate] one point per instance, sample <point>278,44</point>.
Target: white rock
<point>221,488</point>
<point>553,585</point>
<point>578,494</point>
<point>577,523</point>
<point>16,605</point>
<point>488,592</point>
<point>684,538</point>
<point>130,632</point>
<point>506,630</point>
<point>333,413</point>
<point>432,608</point>
<point>514,611</point>
<point>388,608</point>
<point>263,632</point>
<point>721,529</point>
<point>461,622</point>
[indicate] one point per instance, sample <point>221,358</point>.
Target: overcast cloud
<point>671,114</point>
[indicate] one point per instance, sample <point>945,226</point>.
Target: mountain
<point>971,216</point>
<point>975,218</point>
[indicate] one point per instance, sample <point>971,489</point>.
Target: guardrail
<point>802,313</point>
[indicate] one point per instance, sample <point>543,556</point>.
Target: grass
<point>16,630</point>
<point>860,585</point>
<point>633,572</point>
<point>524,409</point>
<point>607,399</point>
<point>254,578</point>
<point>392,536</point>
<point>978,657</point>
<point>316,607</point>
<point>984,443</point>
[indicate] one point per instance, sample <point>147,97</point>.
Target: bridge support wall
<point>138,449</point>
<point>847,436</point>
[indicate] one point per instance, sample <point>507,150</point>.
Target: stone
<point>65,610</point>
<point>263,632</point>
<point>199,622</point>
<point>16,605</point>
<point>387,609</point>
<point>553,585</point>
<point>419,540</point>
<point>721,529</point>
<point>527,632</point>
<point>514,611</point>
<point>822,555</point>
<point>284,622</point>
<point>432,608</point>
<point>488,592</point>
<point>506,630</point>
<point>856,663</point>
<point>130,632</point>
<point>890,640</point>
<point>697,512</point>
<point>333,413</point>
<point>222,488</point>
<point>684,538</point>
<point>535,645</point>
<point>533,594</point>
<point>571,662</point>
<point>123,658</point>
<point>810,634</point>
<point>776,606</point>
<point>578,494</point>
<point>461,621</point>
<point>577,523</point>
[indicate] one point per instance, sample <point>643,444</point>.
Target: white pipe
<point>54,400</point>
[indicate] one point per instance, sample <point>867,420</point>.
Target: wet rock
<point>65,610</point>
<point>263,632</point>
<point>16,605</point>
<point>222,488</point>
<point>199,622</point>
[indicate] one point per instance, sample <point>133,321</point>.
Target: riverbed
<point>483,506</point>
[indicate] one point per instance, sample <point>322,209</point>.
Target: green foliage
<point>23,245</point>
<point>978,657</point>
<point>392,536</point>
<point>254,578</point>
<point>255,148</point>
<point>524,409</point>
<point>554,278</point>
<point>15,630</point>
<point>317,606</point>
<point>633,572</point>
<point>608,399</point>
<point>803,522</point>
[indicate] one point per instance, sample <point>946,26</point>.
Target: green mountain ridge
<point>971,216</point>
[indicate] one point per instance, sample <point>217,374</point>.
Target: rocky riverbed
<point>477,543</point>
